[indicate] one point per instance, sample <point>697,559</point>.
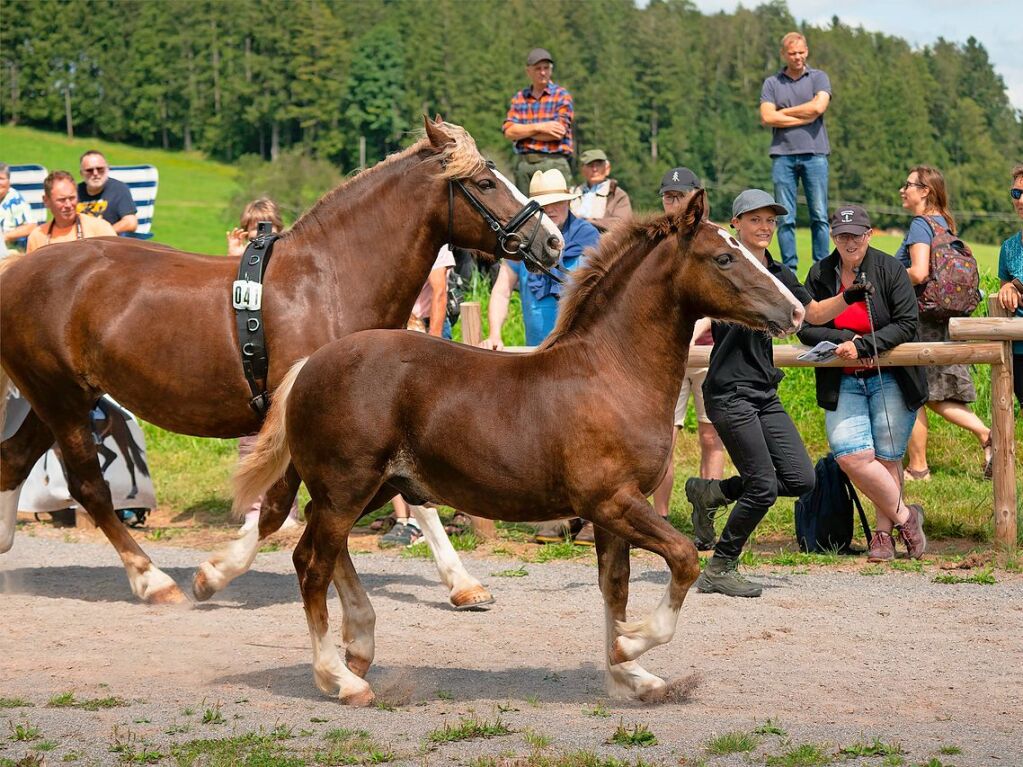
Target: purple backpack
<point>953,287</point>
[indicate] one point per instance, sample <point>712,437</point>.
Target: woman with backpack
<point>951,387</point>
<point>869,412</point>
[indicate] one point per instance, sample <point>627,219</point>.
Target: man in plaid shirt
<point>539,121</point>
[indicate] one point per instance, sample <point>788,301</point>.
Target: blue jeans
<point>786,172</point>
<point>860,423</point>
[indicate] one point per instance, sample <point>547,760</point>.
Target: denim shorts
<point>859,422</point>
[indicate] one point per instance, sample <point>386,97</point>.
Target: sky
<point>996,24</point>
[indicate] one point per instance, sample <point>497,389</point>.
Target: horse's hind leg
<point>88,487</point>
<point>465,591</point>
<point>358,619</point>
<point>628,679</point>
<point>237,557</point>
<point>316,558</point>
<point>18,455</point>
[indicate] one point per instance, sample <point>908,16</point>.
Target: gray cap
<point>679,180</point>
<point>537,55</point>
<point>755,199</point>
<point>850,219</point>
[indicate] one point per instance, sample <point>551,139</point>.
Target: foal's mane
<point>458,159</point>
<point>628,243</point>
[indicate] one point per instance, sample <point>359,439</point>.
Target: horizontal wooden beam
<point>986,328</point>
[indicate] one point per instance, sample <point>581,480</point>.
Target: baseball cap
<point>849,219</point>
<point>537,55</point>
<point>679,180</point>
<point>755,199</point>
<point>592,155</point>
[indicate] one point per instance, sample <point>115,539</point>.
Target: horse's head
<point>719,277</point>
<point>485,211</point>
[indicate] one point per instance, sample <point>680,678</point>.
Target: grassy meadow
<point>192,474</point>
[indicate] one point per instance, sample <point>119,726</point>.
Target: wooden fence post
<point>472,334</point>
<point>1003,441</point>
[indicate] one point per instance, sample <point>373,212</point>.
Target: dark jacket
<point>895,317</point>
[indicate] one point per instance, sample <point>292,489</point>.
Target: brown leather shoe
<point>912,532</point>
<point>882,547</point>
<point>585,535</point>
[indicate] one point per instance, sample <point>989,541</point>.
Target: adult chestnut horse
<point>155,327</point>
<point>581,427</point>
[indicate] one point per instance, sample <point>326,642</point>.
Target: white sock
<point>411,522</point>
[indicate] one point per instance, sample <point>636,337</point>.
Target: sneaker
<point>912,532</point>
<point>706,497</point>
<point>553,531</point>
<point>721,576</point>
<point>585,535</point>
<point>400,535</point>
<point>882,547</point>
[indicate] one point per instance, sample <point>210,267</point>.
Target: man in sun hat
<point>540,294</point>
<point>601,200</point>
<point>539,121</point>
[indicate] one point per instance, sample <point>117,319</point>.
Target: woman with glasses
<point>869,412</point>
<point>1010,273</point>
<point>951,387</point>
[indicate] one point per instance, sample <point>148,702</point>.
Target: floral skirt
<point>945,382</point>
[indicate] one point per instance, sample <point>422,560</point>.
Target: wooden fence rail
<point>984,341</point>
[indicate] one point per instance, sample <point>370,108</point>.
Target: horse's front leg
<point>465,591</point>
<point>237,557</point>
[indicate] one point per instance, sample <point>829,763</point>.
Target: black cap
<point>679,180</point>
<point>849,219</point>
<point>537,55</point>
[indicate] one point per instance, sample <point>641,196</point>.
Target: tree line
<point>655,86</point>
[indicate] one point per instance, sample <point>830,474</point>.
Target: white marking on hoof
<point>636,637</point>
<point>332,676</point>
<point>155,587</point>
<point>449,566</point>
<point>227,564</point>
<point>8,517</point>
<point>359,699</point>
<point>630,681</point>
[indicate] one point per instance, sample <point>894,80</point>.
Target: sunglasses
<point>1016,193</point>
<point>908,184</point>
<point>100,169</point>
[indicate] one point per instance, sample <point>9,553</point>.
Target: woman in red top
<point>869,411</point>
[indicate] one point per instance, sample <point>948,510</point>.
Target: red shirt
<point>856,319</point>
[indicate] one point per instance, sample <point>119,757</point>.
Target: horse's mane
<point>634,238</point>
<point>458,159</point>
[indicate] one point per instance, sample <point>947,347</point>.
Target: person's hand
<point>237,239</point>
<point>847,350</point>
<point>1009,297</point>
<point>555,128</point>
<point>494,344</point>
<point>858,291</point>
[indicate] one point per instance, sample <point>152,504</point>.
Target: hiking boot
<point>585,535</point>
<point>401,534</point>
<point>721,576</point>
<point>912,532</point>
<point>552,531</point>
<point>882,547</point>
<point>706,497</point>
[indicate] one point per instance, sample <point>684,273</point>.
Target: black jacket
<point>895,317</point>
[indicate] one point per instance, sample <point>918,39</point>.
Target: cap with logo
<point>679,180</point>
<point>537,55</point>
<point>592,155</point>
<point>755,199</point>
<point>849,219</point>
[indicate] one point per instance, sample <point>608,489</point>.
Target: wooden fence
<point>982,341</point>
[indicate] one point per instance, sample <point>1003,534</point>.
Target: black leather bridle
<point>508,235</point>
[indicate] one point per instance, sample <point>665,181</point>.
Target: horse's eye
<point>486,183</point>
<point>724,259</point>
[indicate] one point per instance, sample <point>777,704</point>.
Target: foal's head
<point>718,277</point>
<point>484,210</point>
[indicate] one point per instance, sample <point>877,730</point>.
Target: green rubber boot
<point>721,576</point>
<point>706,497</point>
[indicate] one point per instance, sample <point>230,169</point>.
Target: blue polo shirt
<point>782,91</point>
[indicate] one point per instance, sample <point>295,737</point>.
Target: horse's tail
<point>271,455</point>
<point>133,447</point>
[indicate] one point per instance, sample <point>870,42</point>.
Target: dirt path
<point>832,658</point>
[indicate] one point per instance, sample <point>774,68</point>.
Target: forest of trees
<point>655,86</point>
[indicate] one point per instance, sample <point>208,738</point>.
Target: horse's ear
<point>694,212</point>
<point>436,133</point>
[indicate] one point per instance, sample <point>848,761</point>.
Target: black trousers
<point>767,450</point>
<point>1017,377</point>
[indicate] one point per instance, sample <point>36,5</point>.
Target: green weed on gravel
<point>254,749</point>
<point>770,728</point>
<point>984,578</point>
<point>15,703</point>
<point>598,710</point>
<point>950,750</point>
<point>875,748</point>
<point>907,565</point>
<point>732,743</point>
<point>352,747</point>
<point>517,572</point>
<point>637,735</point>
<point>469,728</point>
<point>68,700</point>
<point>546,759</point>
<point>24,732</point>
<point>804,755</point>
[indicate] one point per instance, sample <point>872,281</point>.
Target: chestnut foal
<point>580,427</point>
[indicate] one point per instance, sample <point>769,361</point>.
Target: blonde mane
<point>458,159</point>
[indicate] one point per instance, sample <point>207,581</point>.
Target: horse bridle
<point>508,235</point>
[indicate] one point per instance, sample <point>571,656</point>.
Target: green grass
<point>803,755</point>
<point>876,747</point>
<point>253,749</point>
<point>732,743</point>
<point>770,728</point>
<point>15,703</point>
<point>983,578</point>
<point>24,732</point>
<point>469,728</point>
<point>637,735</point>
<point>352,747</point>
<point>515,572</point>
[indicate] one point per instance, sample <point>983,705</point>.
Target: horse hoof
<point>201,586</point>
<point>359,699</point>
<point>655,693</point>
<point>472,598</point>
<point>169,595</point>
<point>358,666</point>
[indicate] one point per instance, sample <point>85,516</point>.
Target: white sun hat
<point>549,186</point>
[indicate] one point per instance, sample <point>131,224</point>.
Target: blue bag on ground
<point>824,516</point>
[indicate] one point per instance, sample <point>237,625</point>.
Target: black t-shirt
<point>745,357</point>
<point>112,203</point>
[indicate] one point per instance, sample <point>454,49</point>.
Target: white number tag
<point>247,295</point>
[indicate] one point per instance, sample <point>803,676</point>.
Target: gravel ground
<point>831,657</point>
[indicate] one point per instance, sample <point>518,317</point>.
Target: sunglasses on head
<point>1016,193</point>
